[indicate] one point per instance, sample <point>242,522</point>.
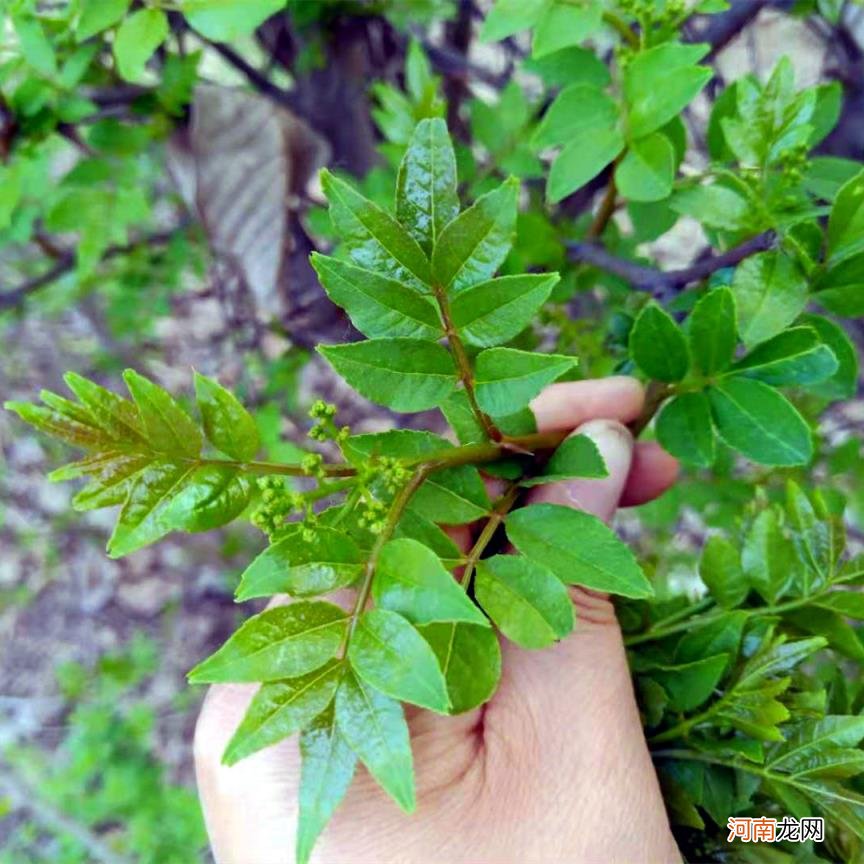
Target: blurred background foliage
<point>158,202</point>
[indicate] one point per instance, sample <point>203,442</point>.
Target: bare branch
<point>66,262</point>
<point>657,281</point>
<point>255,77</point>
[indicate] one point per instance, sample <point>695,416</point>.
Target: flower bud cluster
<point>277,503</point>
<point>793,163</point>
<point>324,428</point>
<point>659,13</point>
<point>379,480</point>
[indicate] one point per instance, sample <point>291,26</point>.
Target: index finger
<point>569,404</point>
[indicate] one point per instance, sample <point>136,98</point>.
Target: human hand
<point>554,768</point>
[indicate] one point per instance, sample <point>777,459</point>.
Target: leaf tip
<point>231,756</point>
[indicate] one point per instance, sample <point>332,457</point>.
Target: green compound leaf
<point>377,305</point>
<point>844,382</point>
<point>767,557</point>
<point>585,121</point>
<point>577,456</point>
<point>113,474</point>
<point>374,727</point>
<point>658,346</point>
<point>508,379</point>
<point>388,653</point>
<point>496,311</point>
<point>793,357</point>
<point>470,660</point>
<point>770,293</point>
<point>713,206</point>
<point>463,421</point>
<point>199,499</point>
<point>411,580</point>
<point>452,496</point>
<point>403,374</point>
<point>510,16</point>
<point>62,424</point>
<point>283,642</point>
<point>228,20</point>
<point>684,429</point>
<point>328,765</point>
<point>417,527</point>
<point>165,496</point>
<point>168,427</point>
<point>211,496</point>
<point>527,602</point>
<point>426,198</point>
<point>563,24</point>
<point>841,289</point>
<point>755,419</point>
<point>374,240</point>
<point>720,635</point>
<point>570,65</point>
<point>647,170</point>
<point>117,417</point>
<point>396,443</point>
<point>578,111</point>
<point>301,567</point>
<point>281,708</point>
<point>812,537</point>
<point>229,427</point>
<point>721,571</point>
<point>137,39</point>
<point>99,15</point>
<point>689,685</point>
<point>142,518</point>
<point>712,331</point>
<point>474,245</point>
<point>661,82</point>
<point>811,739</point>
<point>846,223</point>
<point>143,457</point>
<point>578,548</point>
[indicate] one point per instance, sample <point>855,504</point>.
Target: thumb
<point>599,497</point>
<point>572,706</point>
<point>593,655</point>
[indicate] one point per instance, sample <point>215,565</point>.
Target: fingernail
<point>601,496</point>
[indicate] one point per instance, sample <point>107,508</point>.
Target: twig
<point>463,364</point>
<point>452,63</point>
<point>606,210</point>
<point>397,510</point>
<point>655,396</point>
<point>493,523</point>
<point>21,795</point>
<point>66,263</point>
<point>255,77</point>
<point>659,281</point>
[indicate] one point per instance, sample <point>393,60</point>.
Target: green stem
<point>397,509</point>
<point>656,394</point>
<point>748,767</point>
<point>463,363</point>
<point>661,631</point>
<point>496,517</point>
<point>681,729</point>
<point>325,490</point>
<point>620,26</point>
<point>265,469</point>
<point>453,456</point>
<point>607,207</point>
